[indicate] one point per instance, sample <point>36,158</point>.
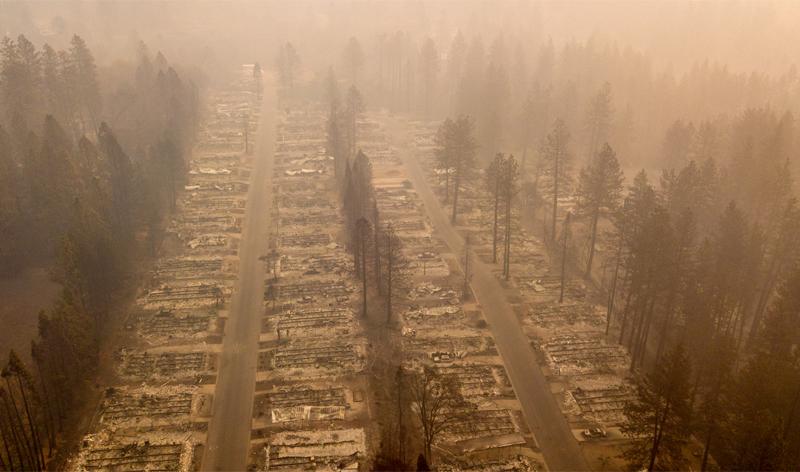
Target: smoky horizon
<point>451,235</point>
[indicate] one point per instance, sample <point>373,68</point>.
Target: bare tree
<point>434,397</point>
<point>395,266</point>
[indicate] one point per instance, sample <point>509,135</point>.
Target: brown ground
<point>22,296</point>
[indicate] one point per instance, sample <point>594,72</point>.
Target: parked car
<point>594,433</point>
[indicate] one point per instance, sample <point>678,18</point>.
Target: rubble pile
<point>156,415</point>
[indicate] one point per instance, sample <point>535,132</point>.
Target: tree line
<point>514,88</point>
<point>700,270</point>
<point>692,262</point>
<point>425,400</point>
<point>375,245</point>
<point>88,175</point>
<point>692,266</point>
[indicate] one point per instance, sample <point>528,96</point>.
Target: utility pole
<point>564,256</point>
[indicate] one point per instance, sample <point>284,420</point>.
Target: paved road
<point>229,430</point>
<point>550,428</point>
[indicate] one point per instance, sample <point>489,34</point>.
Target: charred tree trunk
<point>456,185</point>
<point>555,199</point>
<point>507,252</point>
<point>496,209</point>
<point>21,443</point>
<point>31,425</point>
<point>389,276</point>
<point>595,217</point>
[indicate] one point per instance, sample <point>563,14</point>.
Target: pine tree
<point>287,63</point>
<point>121,179</point>
<point>83,79</point>
<point>494,177</point>
<point>764,430</point>
<point>395,265</point>
<point>353,109</point>
<point>461,145</point>
<point>657,421</point>
<point>353,58</point>
<point>510,189</point>
<point>429,69</point>
<point>599,191</point>
<point>555,152</point>
<point>598,118</point>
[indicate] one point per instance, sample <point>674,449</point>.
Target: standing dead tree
<point>434,397</point>
<point>363,234</point>
<point>510,189</point>
<point>494,176</point>
<point>395,267</point>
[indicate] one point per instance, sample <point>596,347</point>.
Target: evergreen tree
<point>510,189</point>
<point>353,108</point>
<point>658,420</point>
<point>429,69</point>
<point>353,58</point>
<point>494,177</point>
<point>599,191</point>
<point>395,265</point>
<point>83,80</point>
<point>598,118</point>
<point>764,431</point>
<point>458,143</point>
<point>287,63</point>
<point>555,152</point>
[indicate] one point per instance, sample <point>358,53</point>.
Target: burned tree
<point>395,267</point>
<point>361,252</point>
<point>287,63</point>
<point>434,397</point>
<point>598,118</point>
<point>510,189</point>
<point>354,106</point>
<point>658,420</point>
<point>494,177</point>
<point>502,178</point>
<point>555,153</point>
<point>599,191</point>
<point>353,59</point>
<point>443,153</point>
<point>458,147</point>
